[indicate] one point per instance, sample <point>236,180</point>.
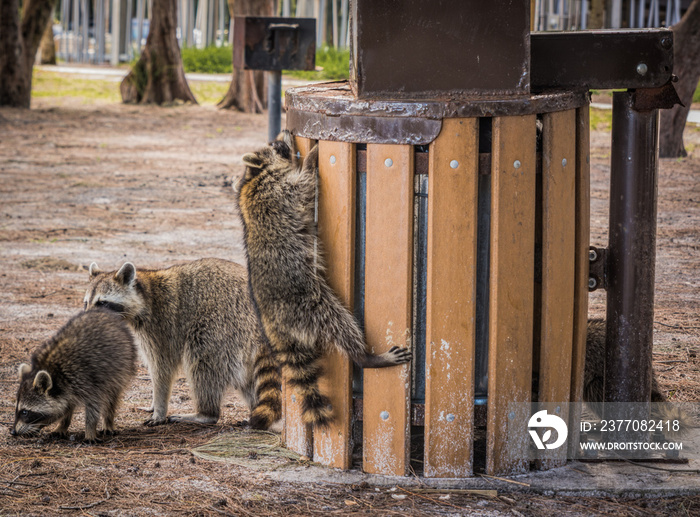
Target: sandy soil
<point>110,183</point>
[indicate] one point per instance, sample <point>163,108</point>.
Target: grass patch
<point>334,64</point>
<point>696,95</point>
<point>208,93</point>
<point>52,84</point>
<point>601,119</point>
<point>209,60</point>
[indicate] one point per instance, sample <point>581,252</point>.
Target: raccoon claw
<point>109,433</point>
<point>58,435</point>
<point>152,422</point>
<point>399,354</point>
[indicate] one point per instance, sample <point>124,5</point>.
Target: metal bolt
<point>511,415</point>
<point>388,162</point>
<point>294,398</point>
<point>454,164</point>
<point>332,160</point>
<point>450,417</point>
<point>592,283</point>
<point>557,410</point>
<point>642,69</point>
<point>666,42</point>
<point>384,415</point>
<point>517,164</point>
<point>592,255</point>
<point>563,162</point>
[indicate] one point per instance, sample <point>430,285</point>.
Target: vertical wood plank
<point>583,223</point>
<point>558,241</point>
<point>297,436</point>
<point>336,231</point>
<point>388,279</point>
<point>511,292</point>
<point>451,295</point>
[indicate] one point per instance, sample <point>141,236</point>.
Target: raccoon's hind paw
<point>398,355</point>
<point>152,422</point>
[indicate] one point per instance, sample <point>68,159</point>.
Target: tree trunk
<point>247,90</point>
<point>158,76</point>
<point>686,65</point>
<point>47,55</point>
<point>19,42</point>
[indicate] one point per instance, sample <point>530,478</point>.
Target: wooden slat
<point>557,313</point>
<point>296,435</point>
<point>583,223</point>
<point>451,297</point>
<point>336,231</point>
<point>388,278</point>
<point>511,293</point>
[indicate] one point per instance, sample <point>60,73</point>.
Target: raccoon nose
<point>13,432</point>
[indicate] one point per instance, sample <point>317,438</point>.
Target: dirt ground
<point>110,183</point>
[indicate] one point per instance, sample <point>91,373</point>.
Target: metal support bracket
<point>597,268</point>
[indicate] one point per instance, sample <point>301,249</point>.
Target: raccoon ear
<point>287,137</point>
<point>126,274</point>
<point>23,368</point>
<point>42,381</point>
<point>94,269</point>
<point>311,160</point>
<point>253,160</point>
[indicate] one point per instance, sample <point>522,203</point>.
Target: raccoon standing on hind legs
<point>199,315</point>
<point>301,315</point>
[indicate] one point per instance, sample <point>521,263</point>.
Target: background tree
<point>19,41</point>
<point>47,55</point>
<point>247,90</point>
<point>686,65</point>
<point>158,76</point>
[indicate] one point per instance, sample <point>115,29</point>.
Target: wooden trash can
<point>460,229</point>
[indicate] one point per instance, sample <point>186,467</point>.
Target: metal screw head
<point>592,255</point>
<point>592,283</point>
<point>388,162</point>
<point>450,417</point>
<point>511,415</point>
<point>454,164</point>
<point>642,69</point>
<point>563,162</point>
<point>294,398</point>
<point>557,410</point>
<point>517,164</point>
<point>384,415</point>
<point>666,42</point>
<point>332,160</point>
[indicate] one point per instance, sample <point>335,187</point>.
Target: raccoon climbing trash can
<point>461,230</point>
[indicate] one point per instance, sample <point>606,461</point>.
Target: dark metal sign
<point>601,59</point>
<point>271,43</point>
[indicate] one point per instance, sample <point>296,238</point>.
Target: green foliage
<point>209,60</point>
<point>696,95</point>
<point>601,119</point>
<point>334,64</point>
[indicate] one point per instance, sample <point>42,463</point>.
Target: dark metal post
<point>274,104</point>
<point>632,251</point>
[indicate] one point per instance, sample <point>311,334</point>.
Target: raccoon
<point>90,361</point>
<point>198,315</point>
<point>300,313</point>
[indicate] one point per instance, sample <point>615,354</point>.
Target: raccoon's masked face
<point>115,291</point>
<point>38,403</point>
<point>277,158</point>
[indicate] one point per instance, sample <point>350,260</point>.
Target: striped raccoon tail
<point>302,372</point>
<point>268,390</point>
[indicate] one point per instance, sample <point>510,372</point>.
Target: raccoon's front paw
<point>154,421</point>
<point>58,435</point>
<point>109,433</point>
<point>399,355</point>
